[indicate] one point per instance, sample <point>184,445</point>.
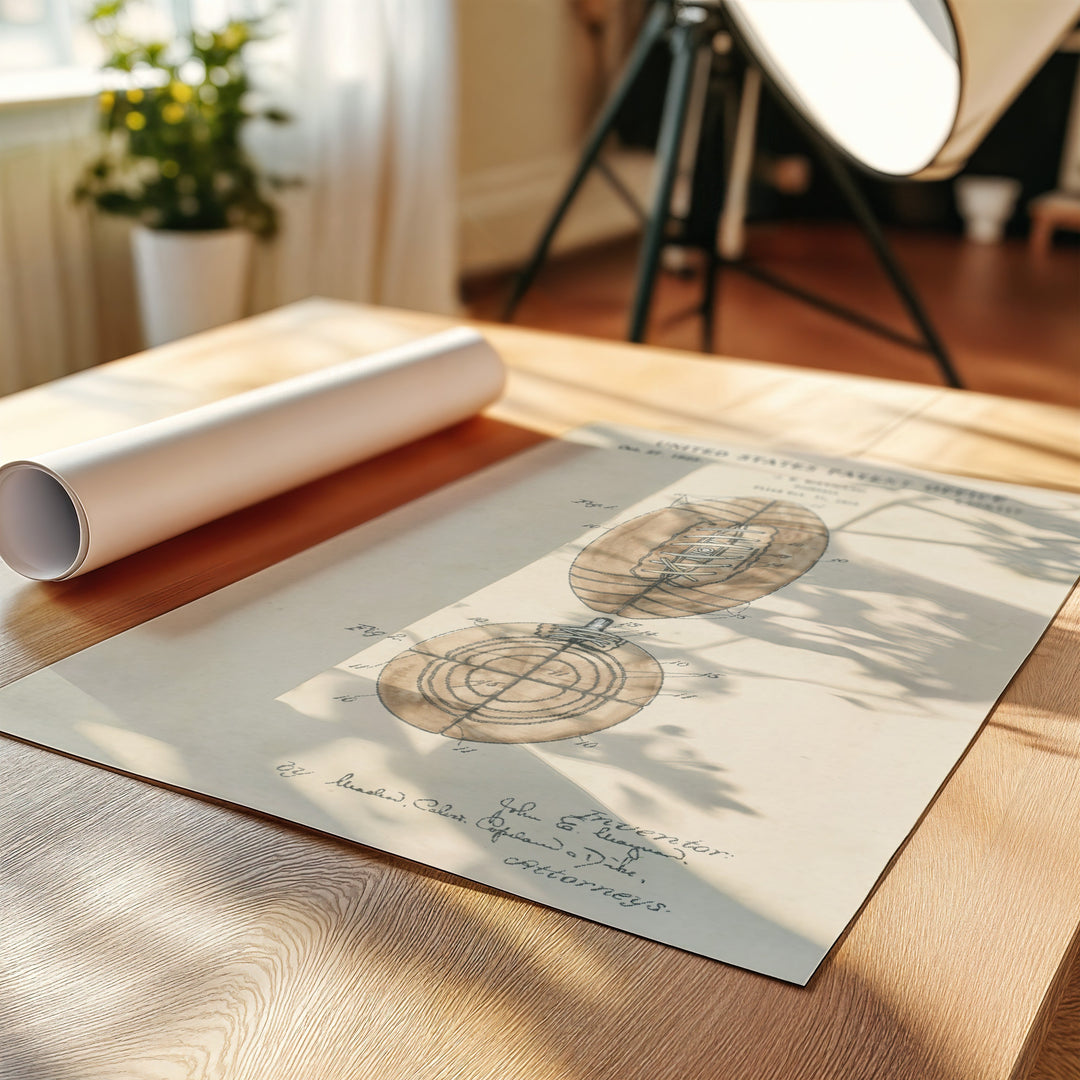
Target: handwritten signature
<point>565,877</point>
<point>499,828</point>
<point>609,829</point>
<point>590,841</point>
<point>349,783</point>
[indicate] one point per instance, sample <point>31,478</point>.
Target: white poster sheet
<point>698,693</point>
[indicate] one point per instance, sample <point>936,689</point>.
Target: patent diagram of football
<point>520,682</point>
<point>697,556</point>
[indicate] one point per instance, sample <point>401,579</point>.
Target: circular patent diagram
<point>520,682</point>
<point>698,556</point>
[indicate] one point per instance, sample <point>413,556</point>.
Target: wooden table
<point>151,934</point>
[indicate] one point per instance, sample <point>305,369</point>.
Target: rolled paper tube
<point>69,511</point>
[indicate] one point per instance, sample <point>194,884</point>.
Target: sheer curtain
<point>45,319</point>
<point>372,87</point>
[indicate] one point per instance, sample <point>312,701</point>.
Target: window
<point>36,34</point>
<point>47,51</point>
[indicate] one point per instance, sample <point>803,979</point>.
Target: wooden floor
<point>1010,320</point>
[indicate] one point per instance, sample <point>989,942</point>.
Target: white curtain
<point>372,87</point>
<point>49,323</point>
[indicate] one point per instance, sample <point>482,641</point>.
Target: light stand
<point>690,26</point>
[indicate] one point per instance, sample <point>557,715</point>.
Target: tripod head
<point>688,12</point>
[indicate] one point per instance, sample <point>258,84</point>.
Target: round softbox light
<point>904,87</point>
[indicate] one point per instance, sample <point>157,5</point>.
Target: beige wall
<point>527,91</point>
<point>524,71</point>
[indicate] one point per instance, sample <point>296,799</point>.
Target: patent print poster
<point>712,718</point>
<point>698,693</point>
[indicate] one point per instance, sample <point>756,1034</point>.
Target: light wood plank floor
<point>1011,320</point>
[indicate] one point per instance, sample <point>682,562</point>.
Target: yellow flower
<point>135,96</point>
<point>233,36</point>
<point>170,168</point>
<point>135,121</point>
<point>180,91</point>
<point>106,100</point>
<point>172,113</point>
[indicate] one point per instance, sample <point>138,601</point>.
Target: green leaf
<point>208,181</point>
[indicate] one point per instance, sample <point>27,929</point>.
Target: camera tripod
<point>690,27</point>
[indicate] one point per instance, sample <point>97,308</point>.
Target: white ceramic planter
<point>986,203</point>
<point>189,281</point>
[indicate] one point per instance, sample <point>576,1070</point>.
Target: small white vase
<point>986,203</point>
<point>189,281</point>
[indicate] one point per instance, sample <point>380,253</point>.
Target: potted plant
<point>172,158</point>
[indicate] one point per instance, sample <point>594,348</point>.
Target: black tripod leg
<point>709,287</point>
<point>653,29</point>
<point>717,197</point>
<point>685,40</point>
<point>869,223</point>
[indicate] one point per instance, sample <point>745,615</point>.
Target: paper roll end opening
<point>40,527</point>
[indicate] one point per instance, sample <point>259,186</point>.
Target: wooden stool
<point>1054,210</point>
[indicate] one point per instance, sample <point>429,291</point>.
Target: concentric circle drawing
<point>520,682</point>
<point>698,556</point>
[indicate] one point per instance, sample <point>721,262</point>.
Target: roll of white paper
<point>69,511</point>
